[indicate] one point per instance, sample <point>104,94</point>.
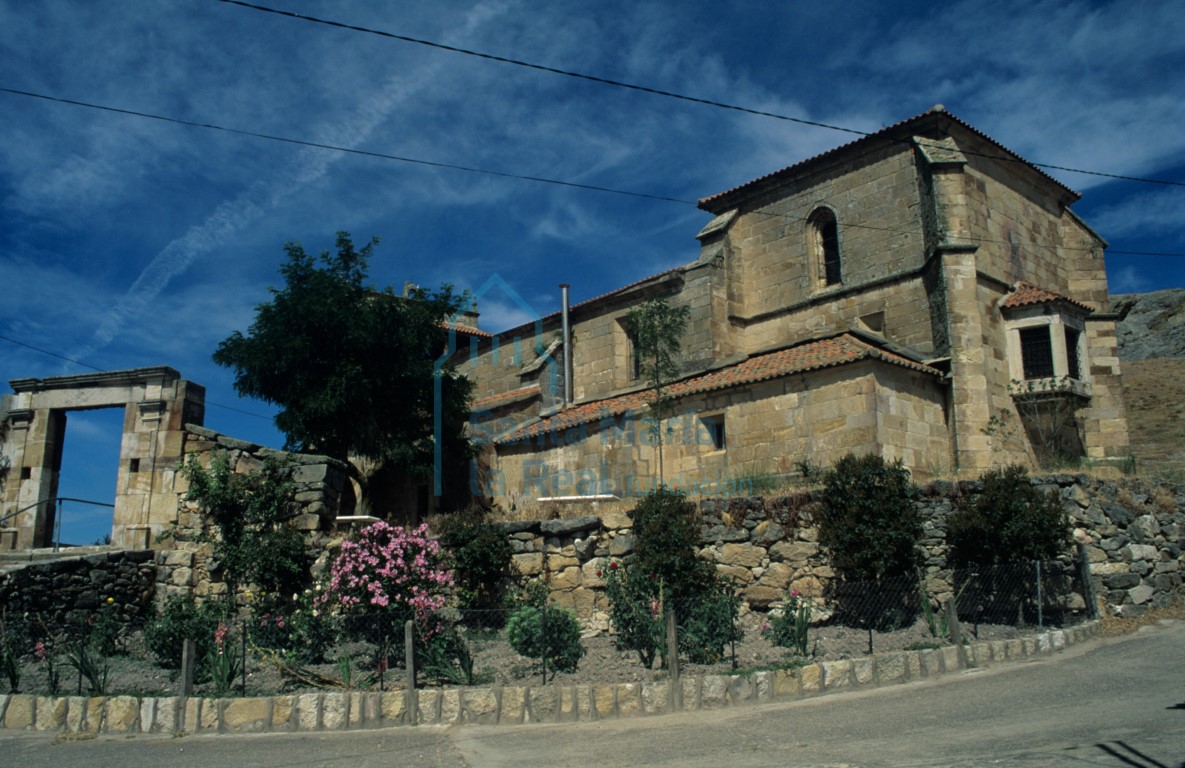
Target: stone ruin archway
<point>157,404</point>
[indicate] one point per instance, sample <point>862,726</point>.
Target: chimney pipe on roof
<point>567,333</point>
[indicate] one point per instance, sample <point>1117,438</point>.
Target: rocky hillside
<point>1152,347</point>
<point>1154,326</point>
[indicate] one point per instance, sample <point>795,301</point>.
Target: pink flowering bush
<point>385,576</point>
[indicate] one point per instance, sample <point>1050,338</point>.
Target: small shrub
<point>1009,521</point>
<point>634,603</point>
<point>46,652</point>
<point>293,626</point>
<point>666,570</point>
<point>549,634</point>
<point>104,629</point>
<point>791,629</point>
<point>481,558</point>
<point>709,624</point>
<point>14,643</point>
<point>223,663</point>
<point>1164,499</point>
<point>444,657</point>
<point>181,618</point>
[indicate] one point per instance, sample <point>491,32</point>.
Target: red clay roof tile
<point>505,398</point>
<point>809,356</point>
<point>1027,295</point>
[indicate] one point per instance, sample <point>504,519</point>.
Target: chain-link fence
<point>535,642</point>
<point>1034,594</point>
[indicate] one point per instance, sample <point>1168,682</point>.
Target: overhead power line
<point>466,168</point>
<point>336,148</point>
<point>658,91</point>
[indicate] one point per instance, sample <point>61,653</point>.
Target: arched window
<point>824,232</point>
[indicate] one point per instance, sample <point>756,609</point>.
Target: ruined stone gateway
<point>162,429</point>
<point>157,404</point>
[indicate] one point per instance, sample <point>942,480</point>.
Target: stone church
<point>922,293</point>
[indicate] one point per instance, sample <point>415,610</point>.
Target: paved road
<point>1117,703</point>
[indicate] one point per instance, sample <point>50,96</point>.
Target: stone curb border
<point>354,710</point>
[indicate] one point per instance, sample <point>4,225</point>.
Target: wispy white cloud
<point>139,243</point>
<point>1155,212</point>
<point>1128,280</point>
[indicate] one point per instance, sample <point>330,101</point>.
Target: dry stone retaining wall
<point>1133,531</point>
<point>66,591</point>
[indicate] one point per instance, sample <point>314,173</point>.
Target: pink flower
<point>40,651</point>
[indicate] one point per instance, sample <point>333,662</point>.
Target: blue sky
<point>128,242</point>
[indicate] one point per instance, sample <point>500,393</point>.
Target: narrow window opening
<point>133,465</point>
<point>713,427</point>
<point>26,473</point>
<point>635,357</point>
<point>829,237</point>
<point>825,232</point>
<point>1072,360</point>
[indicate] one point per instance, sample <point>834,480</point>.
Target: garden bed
<point>133,672</point>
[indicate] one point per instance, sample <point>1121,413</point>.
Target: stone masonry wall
<point>185,565</point>
<point>1133,533</point>
<point>866,406</point>
<point>68,591</point>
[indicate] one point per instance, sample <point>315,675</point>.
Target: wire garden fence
<point>538,643</point>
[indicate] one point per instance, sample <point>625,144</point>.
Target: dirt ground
<point>131,672</point>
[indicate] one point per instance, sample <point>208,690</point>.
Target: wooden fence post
<point>188,654</point>
<point>411,700</point>
<point>1092,608</point>
<point>674,683</point>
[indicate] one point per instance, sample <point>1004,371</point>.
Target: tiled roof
<point>505,398</point>
<point>466,330</point>
<point>713,202</point>
<point>1028,295</point>
<point>809,356</point>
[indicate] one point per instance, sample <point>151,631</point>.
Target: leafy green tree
<point>249,512</point>
<point>1009,521</point>
<point>868,521</point>
<point>656,328</point>
<point>665,570</point>
<point>351,368</point>
<point>870,526</point>
<point>481,562</point>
